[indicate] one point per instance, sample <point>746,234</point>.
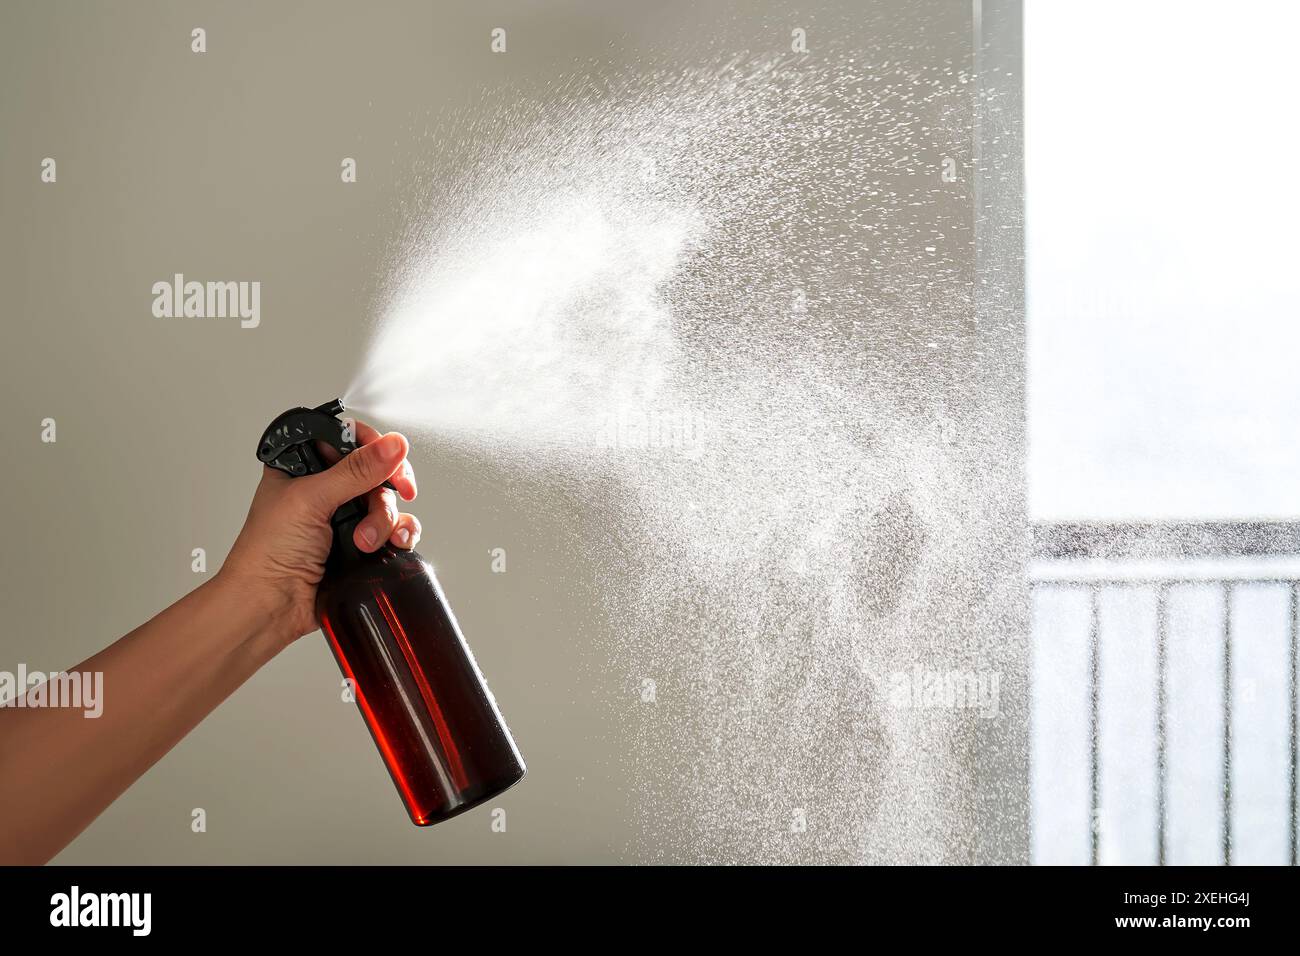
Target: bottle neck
<point>343,550</point>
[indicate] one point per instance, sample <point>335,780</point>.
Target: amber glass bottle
<point>417,685</point>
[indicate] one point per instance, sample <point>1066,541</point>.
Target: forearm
<point>59,769</point>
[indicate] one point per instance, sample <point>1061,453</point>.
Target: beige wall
<point>226,165</point>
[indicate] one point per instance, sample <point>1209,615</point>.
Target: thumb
<point>360,471</point>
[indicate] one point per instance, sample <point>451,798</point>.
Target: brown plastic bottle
<point>417,685</point>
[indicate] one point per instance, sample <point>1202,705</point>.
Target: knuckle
<point>355,466</point>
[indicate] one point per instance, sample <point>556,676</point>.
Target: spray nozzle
<point>289,442</point>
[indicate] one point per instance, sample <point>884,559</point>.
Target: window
<point>1164,440</point>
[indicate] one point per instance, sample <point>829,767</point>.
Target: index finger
<point>364,434</point>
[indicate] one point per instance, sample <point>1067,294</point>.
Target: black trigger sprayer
<point>415,681</point>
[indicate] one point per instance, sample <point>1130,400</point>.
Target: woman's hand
<point>169,673</point>
<point>279,557</point>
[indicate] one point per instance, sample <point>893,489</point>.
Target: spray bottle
<point>395,638</point>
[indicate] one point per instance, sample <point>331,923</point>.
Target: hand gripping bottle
<point>429,711</point>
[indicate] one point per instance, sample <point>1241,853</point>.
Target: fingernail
<point>403,537</point>
<point>369,536</point>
